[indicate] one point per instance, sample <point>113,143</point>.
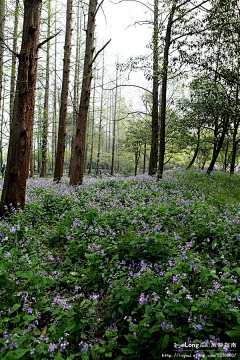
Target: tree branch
<point>48,39</point>
<point>14,53</point>
<point>99,51</point>
<point>137,86</point>
<point>98,8</point>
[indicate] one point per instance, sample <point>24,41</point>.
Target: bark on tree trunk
<point>77,170</point>
<point>155,125</point>
<point>23,113</point>
<point>58,173</point>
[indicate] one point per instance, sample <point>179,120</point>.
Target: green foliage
<point>121,268</point>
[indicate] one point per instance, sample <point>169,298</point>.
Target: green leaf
<point>73,273</point>
<point>15,308</point>
<point>160,316</point>
<point>37,331</point>
<point>237,270</point>
<point>4,280</point>
<point>234,334</point>
<point>165,341</point>
<point>17,354</point>
<point>25,275</point>
<point>108,354</point>
<point>58,357</point>
<point>125,351</point>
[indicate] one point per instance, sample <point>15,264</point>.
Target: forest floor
<point>122,268</point>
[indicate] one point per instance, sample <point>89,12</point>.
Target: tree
<point>14,59</point>
<point>46,99</point>
<point>178,14</point>
<point>58,173</point>
<point>155,125</point>
<point>14,187</point>
<point>77,169</point>
<point>2,25</point>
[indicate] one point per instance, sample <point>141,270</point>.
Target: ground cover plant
<point>122,268</point>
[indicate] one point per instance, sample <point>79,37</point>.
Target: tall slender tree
<point>100,120</point>
<point>76,176</point>
<point>14,59</point>
<point>93,123</point>
<point>46,99</point>
<point>155,124</point>
<point>14,187</point>
<point>58,173</point>
<point>114,119</point>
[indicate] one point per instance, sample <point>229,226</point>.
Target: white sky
<point>118,24</point>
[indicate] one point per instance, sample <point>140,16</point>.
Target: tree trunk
<point>114,126</point>
<point>144,158</point>
<point>235,130</point>
<point>2,24</point>
<point>14,59</point>
<point>226,156</point>
<point>196,151</point>
<point>92,134</point>
<point>54,132</point>
<point>76,176</point>
<point>14,187</point>
<point>218,147</point>
<point>46,101</point>
<point>155,125</point>
<point>100,121</point>
<point>1,130</point>
<point>76,80</point>
<point>64,95</point>
<point>136,162</point>
<point>164,95</point>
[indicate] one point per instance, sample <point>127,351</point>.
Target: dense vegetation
<point>122,268</point>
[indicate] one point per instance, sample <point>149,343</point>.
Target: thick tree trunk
<point>164,95</point>
<point>14,187</point>
<point>196,151</point>
<point>77,170</point>
<point>64,95</point>
<point>46,101</point>
<point>155,125</point>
